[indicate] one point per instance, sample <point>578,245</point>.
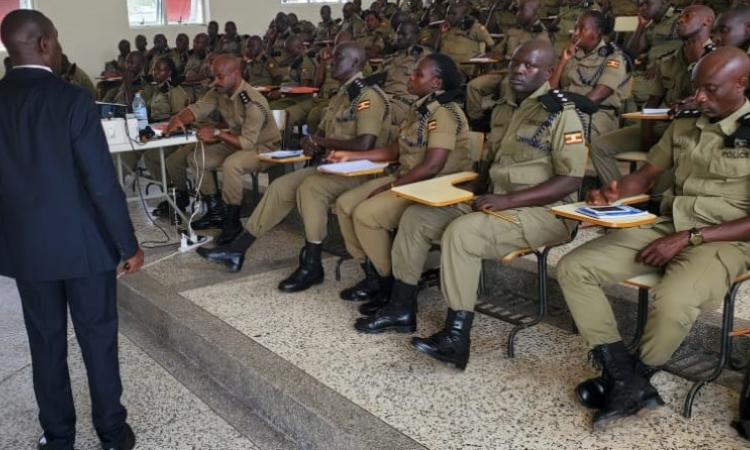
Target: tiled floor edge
<point>294,403</point>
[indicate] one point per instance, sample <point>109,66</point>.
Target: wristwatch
<point>217,132</point>
<point>696,238</point>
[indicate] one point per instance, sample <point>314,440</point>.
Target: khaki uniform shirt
<point>278,49</point>
<point>712,181</point>
<point>356,26</point>
<point>358,109</point>
<point>229,45</point>
<point>661,37</point>
<point>528,145</point>
<point>118,95</point>
<point>463,43</point>
<point>193,64</point>
<point>263,71</point>
<point>398,68</point>
<point>180,60</point>
<point>326,31</point>
<point>432,125</point>
<point>515,37</point>
<point>374,38</point>
<point>672,78</point>
<point>584,71</point>
<point>302,70</point>
<point>247,114</point>
<point>77,77</point>
<point>166,101</point>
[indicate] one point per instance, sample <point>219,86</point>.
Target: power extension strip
<point>188,243</point>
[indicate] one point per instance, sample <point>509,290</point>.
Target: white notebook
<point>655,111</point>
<point>350,167</point>
<point>283,154</point>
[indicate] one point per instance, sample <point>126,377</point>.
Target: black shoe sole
<point>461,365</point>
<point>645,409</point>
<point>406,329</point>
<point>300,289</point>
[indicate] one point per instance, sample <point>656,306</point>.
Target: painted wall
<point>90,29</point>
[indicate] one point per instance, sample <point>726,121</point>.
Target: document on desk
<point>353,168</point>
<point>655,111</point>
<point>283,154</point>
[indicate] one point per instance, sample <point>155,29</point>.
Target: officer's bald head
<point>695,21</point>
<point>348,59</point>
<point>531,66</point>
<point>720,79</point>
<point>227,73</point>
<point>732,28</point>
<point>31,38</point>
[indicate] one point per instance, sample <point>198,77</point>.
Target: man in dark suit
<point>63,231</point>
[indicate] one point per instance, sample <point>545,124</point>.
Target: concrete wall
<point>90,29</point>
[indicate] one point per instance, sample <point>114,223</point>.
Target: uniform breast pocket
<point>530,175</point>
<point>731,163</point>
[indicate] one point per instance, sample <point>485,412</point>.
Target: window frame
<point>163,19</point>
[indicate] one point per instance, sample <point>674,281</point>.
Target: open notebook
<point>353,168</point>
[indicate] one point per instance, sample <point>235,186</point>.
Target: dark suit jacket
<point>62,211</point>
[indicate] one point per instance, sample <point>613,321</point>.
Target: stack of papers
<point>612,212</point>
<point>655,111</point>
<point>353,167</point>
<point>283,154</point>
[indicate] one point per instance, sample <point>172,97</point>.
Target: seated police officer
<point>357,118</point>
<point>699,243</point>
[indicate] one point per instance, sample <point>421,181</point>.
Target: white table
<point>161,144</point>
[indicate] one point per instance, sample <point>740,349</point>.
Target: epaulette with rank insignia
<point>741,137</point>
<point>378,78</point>
<point>687,114</point>
<point>554,101</point>
<point>244,97</point>
<point>355,88</point>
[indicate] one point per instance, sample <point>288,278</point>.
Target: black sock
<point>242,242</point>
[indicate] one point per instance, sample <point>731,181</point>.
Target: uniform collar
<point>33,66</point>
<point>510,96</point>
<point>427,98</point>
<point>242,87</point>
<point>356,76</point>
<point>580,54</point>
<point>728,125</point>
<point>704,45</point>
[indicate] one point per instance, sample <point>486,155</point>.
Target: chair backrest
<point>626,24</point>
<point>281,117</point>
<point>476,146</point>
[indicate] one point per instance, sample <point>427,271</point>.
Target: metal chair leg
<point>725,351</point>
<point>338,266</point>
<point>256,186</point>
<point>641,317</point>
<point>541,261</point>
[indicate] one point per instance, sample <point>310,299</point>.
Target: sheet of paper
<point>655,111</point>
<point>283,154</point>
<point>352,167</point>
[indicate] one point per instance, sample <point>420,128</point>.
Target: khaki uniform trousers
<point>277,202</point>
<point>177,165</point>
<point>695,280</point>
<point>477,236</point>
<point>477,89</point>
<point>315,196</point>
<point>234,165</point>
<point>367,224</point>
<point>419,228</point>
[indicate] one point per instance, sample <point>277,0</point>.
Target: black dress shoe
<point>224,254</point>
<point>310,270</point>
<point>368,288</point>
<point>451,345</point>
<point>128,439</point>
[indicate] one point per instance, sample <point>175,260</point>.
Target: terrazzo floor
<point>164,414</point>
<point>495,404</point>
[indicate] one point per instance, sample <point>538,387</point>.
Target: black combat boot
<point>382,299</point>
<point>214,217</point>
<point>627,392</point>
<point>399,314</point>
<point>452,345</point>
<point>165,211</point>
<point>309,272</point>
<point>367,289</point>
<point>232,225</point>
<point>232,255</point>
<point>590,393</point>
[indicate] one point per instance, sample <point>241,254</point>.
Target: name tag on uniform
<point>573,138</point>
<point>613,63</point>
<point>363,105</point>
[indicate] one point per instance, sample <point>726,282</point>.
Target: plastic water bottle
<point>140,111</point>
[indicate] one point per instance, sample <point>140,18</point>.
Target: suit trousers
<point>93,308</point>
